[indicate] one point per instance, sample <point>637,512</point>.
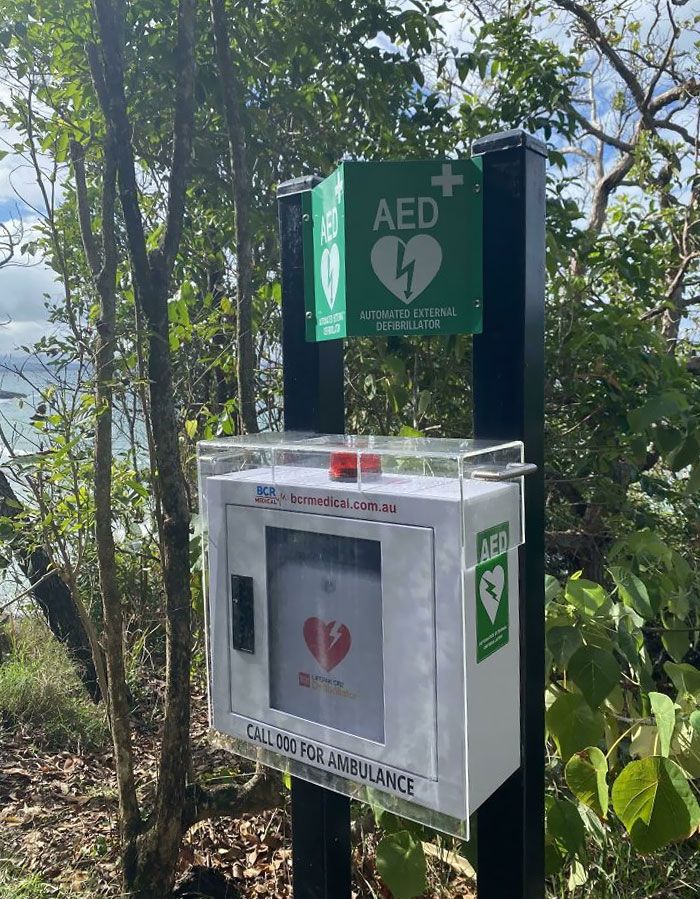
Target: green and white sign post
<point>394,249</point>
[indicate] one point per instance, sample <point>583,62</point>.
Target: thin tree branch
<point>604,188</point>
<point>183,127</point>
<point>107,66</point>
<point>230,800</point>
<point>84,218</point>
<point>663,307</point>
<point>592,29</point>
<point>235,127</point>
<point>686,89</point>
<point>595,131</point>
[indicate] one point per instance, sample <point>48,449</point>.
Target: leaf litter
<point>58,820</point>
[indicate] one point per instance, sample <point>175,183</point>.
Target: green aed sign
<point>394,248</point>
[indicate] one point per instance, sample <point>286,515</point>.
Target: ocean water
<point>20,437</point>
<point>29,377</point>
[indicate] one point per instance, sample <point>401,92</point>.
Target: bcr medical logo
<point>266,495</point>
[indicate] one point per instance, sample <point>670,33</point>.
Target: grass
<point>39,688</point>
<point>15,884</point>
<point>617,871</point>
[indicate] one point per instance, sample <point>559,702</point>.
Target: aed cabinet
<point>362,613</point>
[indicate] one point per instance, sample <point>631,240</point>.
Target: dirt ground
<point>58,820</point>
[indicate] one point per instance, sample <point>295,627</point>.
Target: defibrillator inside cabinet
<point>362,613</point>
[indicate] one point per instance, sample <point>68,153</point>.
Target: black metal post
<point>313,401</point>
<point>509,404</point>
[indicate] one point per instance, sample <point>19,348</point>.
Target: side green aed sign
<point>394,248</point>
<point>492,618</point>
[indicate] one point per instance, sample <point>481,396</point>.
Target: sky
<point>22,289</point>
<point>23,283</point>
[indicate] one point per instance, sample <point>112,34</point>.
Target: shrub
<point>40,688</point>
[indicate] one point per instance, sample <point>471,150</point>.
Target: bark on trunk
<point>53,596</point>
<point>671,320</point>
<point>240,182</point>
<point>103,268</point>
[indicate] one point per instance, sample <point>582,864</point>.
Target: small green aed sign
<point>394,248</point>
<point>492,619</point>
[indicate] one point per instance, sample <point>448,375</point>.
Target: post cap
<point>508,140</point>
<point>298,185</point>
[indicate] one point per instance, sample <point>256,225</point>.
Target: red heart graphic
<point>327,643</point>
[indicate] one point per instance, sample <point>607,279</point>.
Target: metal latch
<point>508,472</point>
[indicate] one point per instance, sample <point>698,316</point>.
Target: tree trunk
<point>671,320</point>
<point>235,129</point>
<point>103,268</point>
<point>150,849</point>
<point>54,597</point>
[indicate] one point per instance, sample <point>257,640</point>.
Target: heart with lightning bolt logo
<point>406,268</point>
<point>328,642</point>
<point>491,590</point>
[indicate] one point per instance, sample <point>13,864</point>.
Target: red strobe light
<point>344,465</point>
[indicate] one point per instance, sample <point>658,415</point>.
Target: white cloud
<point>24,283</point>
<point>22,289</point>
<point>18,182</point>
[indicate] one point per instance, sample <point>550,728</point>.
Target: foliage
<point>40,690</point>
<point>401,863</point>
<point>605,656</point>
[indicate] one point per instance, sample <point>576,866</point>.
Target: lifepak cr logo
<point>328,642</point>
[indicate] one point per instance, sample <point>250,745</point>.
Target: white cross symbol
<point>447,180</point>
<point>338,187</point>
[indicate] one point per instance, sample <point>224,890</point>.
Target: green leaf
<point>632,591</point>
<point>562,642</point>
<point>686,678</point>
<point>552,588</point>
<point>191,427</point>
<point>686,454</point>
<point>665,405</point>
<point>667,439</point>
<point>554,858</point>
<point>565,827</point>
<point>693,484</point>
<point>407,431</point>
<point>676,640</point>
<point>586,777</point>
<point>401,864</point>
<point>573,724</point>
<point>586,596</point>
<point>654,801</point>
<point>665,713</point>
<point>424,401</point>
<point>595,672</point>
<point>695,721</point>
